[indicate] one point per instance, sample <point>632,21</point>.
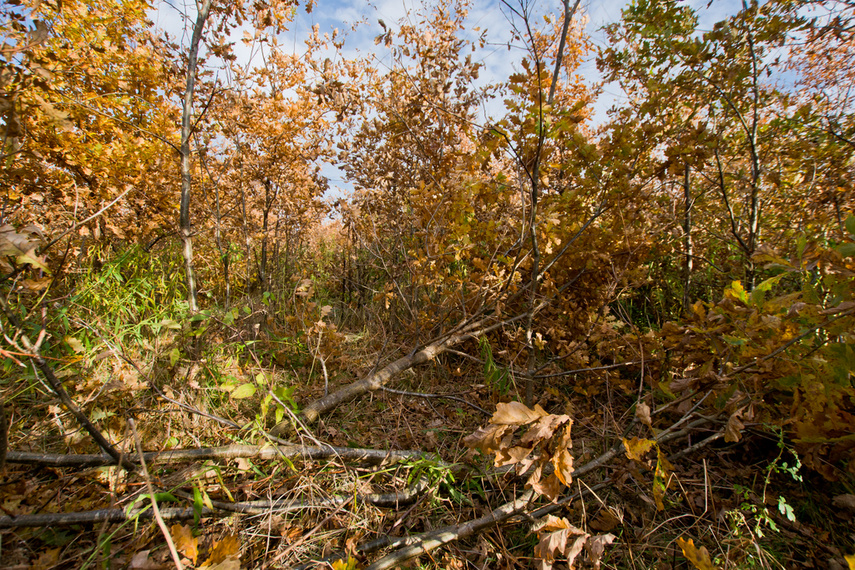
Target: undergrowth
<point>125,347</point>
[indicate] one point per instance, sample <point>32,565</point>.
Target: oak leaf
<point>516,413</point>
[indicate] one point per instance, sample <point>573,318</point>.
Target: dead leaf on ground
<point>844,502</point>
<point>185,542</point>
<point>225,555</point>
<point>642,412</point>
<point>698,557</point>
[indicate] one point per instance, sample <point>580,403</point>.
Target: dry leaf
<point>516,413</point>
<point>733,431</point>
<point>642,412</point>
<point>225,551</point>
<point>47,559</point>
<point>185,542</point>
<point>636,448</point>
<point>596,545</point>
<point>844,502</point>
<point>563,463</point>
<point>698,557</point>
<point>141,561</point>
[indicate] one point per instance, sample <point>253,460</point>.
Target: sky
<point>499,63</point>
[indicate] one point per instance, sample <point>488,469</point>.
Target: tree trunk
<point>186,177</point>
<point>687,238</point>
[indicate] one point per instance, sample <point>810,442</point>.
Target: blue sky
<point>498,62</point>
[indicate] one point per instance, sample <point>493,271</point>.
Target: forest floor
<point>742,504</point>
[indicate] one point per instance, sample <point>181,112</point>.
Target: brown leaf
<point>516,413</point>
<point>542,429</point>
<point>563,463</point>
<point>511,456</point>
<point>549,487</point>
<point>487,439</point>
<point>141,561</point>
<point>605,521</point>
<point>47,559</point>
<point>733,431</point>
<point>225,550</point>
<point>185,542</point>
<point>844,502</point>
<point>596,545</point>
<point>555,542</point>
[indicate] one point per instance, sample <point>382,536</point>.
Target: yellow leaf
<point>342,565</point>
<point>698,557</point>
<point>636,448</point>
<point>225,554</point>
<point>850,560</point>
<point>184,541</point>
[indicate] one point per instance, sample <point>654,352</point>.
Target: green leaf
<point>758,295</point>
<point>850,225</point>
<point>174,355</point>
<point>735,341</point>
<point>847,249</point>
<point>738,292</point>
<point>244,391</point>
<point>170,324</point>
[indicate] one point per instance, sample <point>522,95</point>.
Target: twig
<point>443,396</point>
<point>87,220</point>
<point>434,539</point>
<point>100,515</point>
<point>175,557</point>
<point>370,456</point>
<point>59,390</point>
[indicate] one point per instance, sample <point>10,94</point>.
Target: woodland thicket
<point>525,340</point>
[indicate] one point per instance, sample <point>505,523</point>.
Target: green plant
<point>497,376</point>
<point>753,519</point>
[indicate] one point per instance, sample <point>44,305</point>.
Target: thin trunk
<point>687,238</point>
<point>754,198</point>
<point>186,177</point>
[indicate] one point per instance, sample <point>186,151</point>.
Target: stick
<point>175,557</point>
<point>370,456</point>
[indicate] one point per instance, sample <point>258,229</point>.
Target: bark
<point>186,176</point>
<point>687,238</point>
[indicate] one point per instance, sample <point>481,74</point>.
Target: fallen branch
<point>378,379</point>
<point>385,500</point>
<point>370,456</point>
<point>100,515</point>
